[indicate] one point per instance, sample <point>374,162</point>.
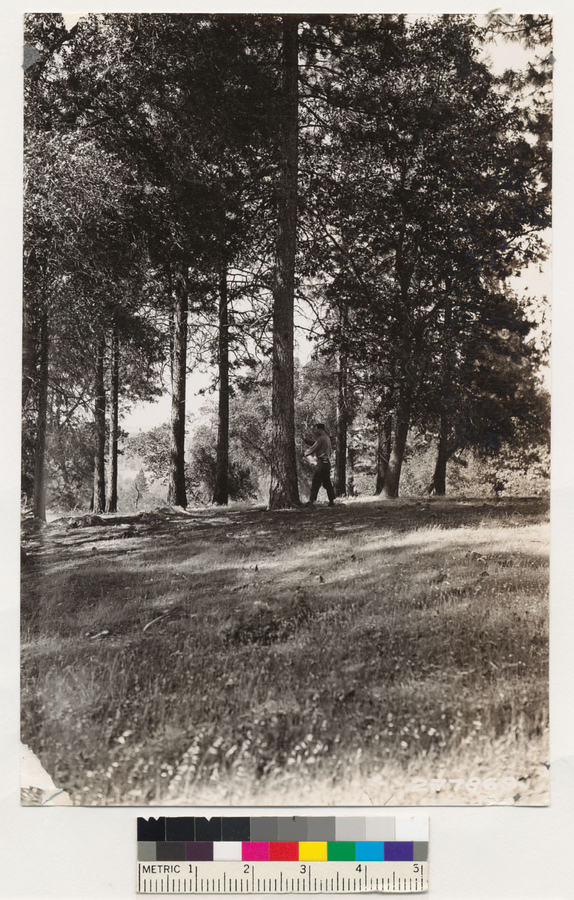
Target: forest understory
<point>383,652</point>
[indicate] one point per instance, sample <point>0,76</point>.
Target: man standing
<point>321,449</point>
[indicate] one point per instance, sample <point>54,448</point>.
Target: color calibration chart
<point>283,855</point>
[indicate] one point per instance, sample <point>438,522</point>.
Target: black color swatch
<point>151,829</point>
<point>180,829</point>
<point>235,829</point>
<point>208,829</point>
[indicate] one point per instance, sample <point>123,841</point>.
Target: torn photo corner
<point>285,421</point>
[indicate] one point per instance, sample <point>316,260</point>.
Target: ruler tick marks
<point>283,876</point>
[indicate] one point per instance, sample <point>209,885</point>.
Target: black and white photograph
<point>286,409</point>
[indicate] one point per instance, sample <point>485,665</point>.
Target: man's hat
<point>320,425</point>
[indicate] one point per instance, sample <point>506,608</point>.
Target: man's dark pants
<point>322,476</point>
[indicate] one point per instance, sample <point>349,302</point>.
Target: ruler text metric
<point>281,878</point>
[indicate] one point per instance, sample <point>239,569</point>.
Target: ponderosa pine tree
<point>221,490</point>
<point>416,141</point>
<point>176,493</point>
<point>78,233</point>
<point>342,405</point>
<point>99,495</point>
<point>284,489</point>
<point>112,484</point>
<point>207,191</point>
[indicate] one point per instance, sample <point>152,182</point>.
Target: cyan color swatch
<point>369,851</point>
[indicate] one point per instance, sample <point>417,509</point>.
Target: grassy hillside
<point>378,652</point>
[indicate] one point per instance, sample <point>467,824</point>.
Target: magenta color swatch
<point>255,851</point>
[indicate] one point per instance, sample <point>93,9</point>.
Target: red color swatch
<point>284,850</point>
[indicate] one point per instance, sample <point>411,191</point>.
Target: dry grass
<point>308,657</point>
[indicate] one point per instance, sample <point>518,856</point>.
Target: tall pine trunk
<point>176,495</point>
<point>99,501</point>
<point>438,483</point>
<point>221,490</point>
<point>59,435</point>
<point>404,271</point>
<point>351,457</point>
<point>341,437</point>
<point>399,443</point>
<point>342,409</point>
<point>112,504</point>
<point>39,493</point>
<point>384,446</point>
<point>28,362</point>
<point>284,490</point>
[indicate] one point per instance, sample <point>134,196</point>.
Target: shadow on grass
<point>261,651</point>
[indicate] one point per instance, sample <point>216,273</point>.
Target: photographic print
<point>285,409</point>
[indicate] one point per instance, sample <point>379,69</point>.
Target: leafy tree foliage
<point>242,481</point>
<point>192,181</point>
<point>437,204</point>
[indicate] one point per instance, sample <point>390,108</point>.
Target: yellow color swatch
<point>313,851</point>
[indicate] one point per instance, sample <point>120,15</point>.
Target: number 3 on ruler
<point>303,869</point>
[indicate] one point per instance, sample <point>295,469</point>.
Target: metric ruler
<point>282,878</point>
<point>283,855</point>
